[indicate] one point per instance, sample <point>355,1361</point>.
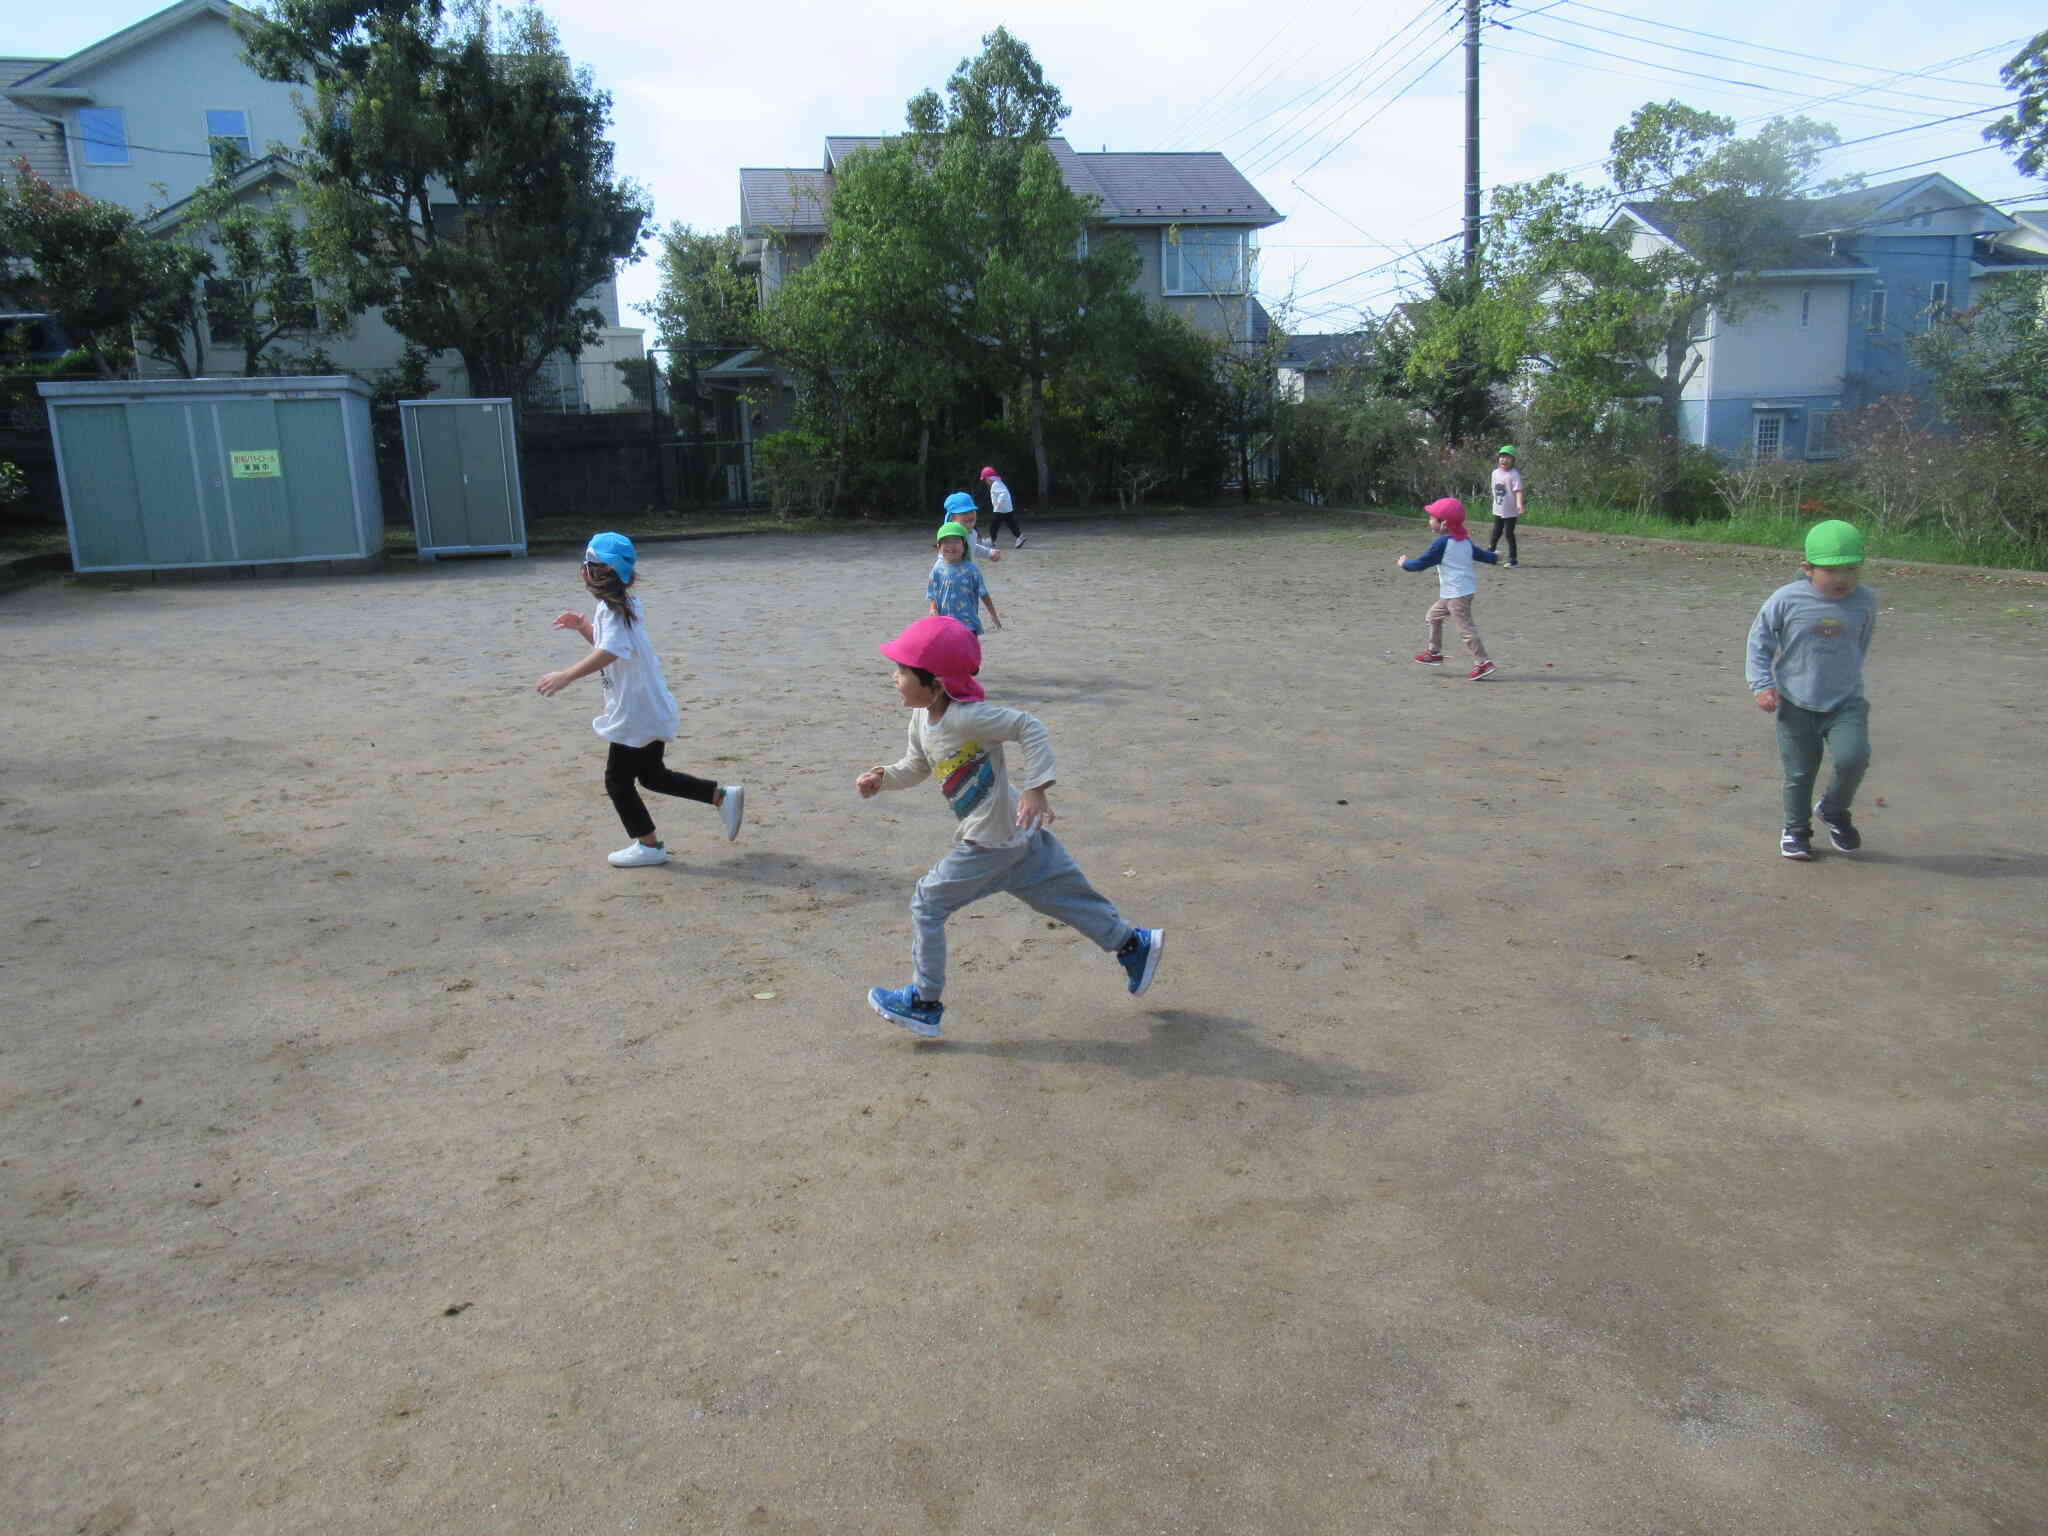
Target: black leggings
<point>1507,523</point>
<point>996,525</point>
<point>626,766</point>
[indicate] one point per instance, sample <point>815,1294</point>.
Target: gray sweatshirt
<point>1811,648</point>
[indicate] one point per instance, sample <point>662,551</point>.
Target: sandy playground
<point>1511,1143</point>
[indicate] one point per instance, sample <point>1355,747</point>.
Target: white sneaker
<point>732,808</point>
<point>638,855</point>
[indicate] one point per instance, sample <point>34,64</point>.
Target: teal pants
<point>1845,732</point>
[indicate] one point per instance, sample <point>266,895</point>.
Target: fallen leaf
<point>762,997</point>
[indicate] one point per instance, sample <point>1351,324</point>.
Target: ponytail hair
<point>603,583</point>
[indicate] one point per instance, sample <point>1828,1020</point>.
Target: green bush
<point>798,471</point>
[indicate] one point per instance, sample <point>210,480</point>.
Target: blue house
<point>1825,325</point>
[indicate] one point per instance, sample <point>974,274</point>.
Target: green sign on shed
<point>170,474</point>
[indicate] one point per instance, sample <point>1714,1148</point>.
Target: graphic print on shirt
<point>1830,628</point>
<point>966,777</point>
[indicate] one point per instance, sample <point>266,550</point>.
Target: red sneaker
<point>1432,658</point>
<point>1484,669</point>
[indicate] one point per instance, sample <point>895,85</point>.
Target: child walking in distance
<point>955,587</point>
<point>1805,666</point>
<point>960,508</point>
<point>1452,554</point>
<point>1001,509</point>
<point>1004,840</point>
<point>1507,502</point>
<point>640,716</point>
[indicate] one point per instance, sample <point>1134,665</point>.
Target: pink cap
<point>988,472</point>
<point>944,647</point>
<point>1450,512</point>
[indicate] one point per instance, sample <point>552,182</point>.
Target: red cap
<point>1450,512</point>
<point>944,647</point>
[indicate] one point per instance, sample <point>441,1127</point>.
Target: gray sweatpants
<point>1037,871</point>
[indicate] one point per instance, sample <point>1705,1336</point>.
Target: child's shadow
<point>1185,1043</point>
<point>1970,866</point>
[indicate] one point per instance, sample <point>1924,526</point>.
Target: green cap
<point>949,531</point>
<point>1507,450</point>
<point>1834,542</point>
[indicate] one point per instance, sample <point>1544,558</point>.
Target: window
<point>1805,308</point>
<point>1877,298</point>
<point>102,136</point>
<point>229,130</point>
<point>225,303</point>
<point>1202,261</point>
<point>1770,436</point>
<point>1937,303</point>
<point>1821,437</point>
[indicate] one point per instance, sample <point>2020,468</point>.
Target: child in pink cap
<point>1004,840</point>
<point>1452,554</point>
<point>1001,509</point>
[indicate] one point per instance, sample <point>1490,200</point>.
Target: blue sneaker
<point>902,1005</point>
<point>1140,957</point>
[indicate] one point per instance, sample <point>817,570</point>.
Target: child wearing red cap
<point>1452,554</point>
<point>1001,509</point>
<point>1004,841</point>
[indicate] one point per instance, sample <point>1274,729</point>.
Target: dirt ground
<point>1512,1141</point>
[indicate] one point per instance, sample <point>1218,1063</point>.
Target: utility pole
<point>1471,135</point>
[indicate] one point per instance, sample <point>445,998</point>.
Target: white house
<point>133,120</point>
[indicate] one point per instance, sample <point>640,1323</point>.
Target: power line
<point>1202,107</point>
<point>1322,88</point>
<point>1948,101</point>
<point>1289,130</point>
<point>1791,53</point>
<point>1427,70</point>
<point>1299,133</point>
<point>1694,74</point>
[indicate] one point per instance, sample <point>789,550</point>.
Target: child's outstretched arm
<point>552,683</point>
<point>993,615</point>
<point>569,620</point>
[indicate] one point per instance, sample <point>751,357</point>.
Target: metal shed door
<point>464,469</point>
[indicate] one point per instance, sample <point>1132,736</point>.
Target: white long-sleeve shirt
<point>964,748</point>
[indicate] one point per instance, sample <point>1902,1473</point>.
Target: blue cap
<point>614,550</point>
<point>960,502</point>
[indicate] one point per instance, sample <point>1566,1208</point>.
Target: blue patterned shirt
<point>958,590</point>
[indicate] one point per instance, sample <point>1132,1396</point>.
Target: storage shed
<point>186,474</point>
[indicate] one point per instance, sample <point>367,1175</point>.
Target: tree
<point>457,175</point>
<point>260,290</point>
<point>1609,323</point>
<point>1025,289</point>
<point>2025,132</point>
<point>89,264</point>
<point>1990,362</point>
<point>706,305</point>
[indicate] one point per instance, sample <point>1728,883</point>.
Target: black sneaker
<point>1796,843</point>
<point>1841,831</point>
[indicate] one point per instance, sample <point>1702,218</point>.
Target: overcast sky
<point>1348,117</point>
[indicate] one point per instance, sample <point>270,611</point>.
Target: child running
<point>1004,841</point>
<point>1001,509</point>
<point>640,716</point>
<point>1805,666</point>
<point>955,587</point>
<point>960,508</point>
<point>1452,554</point>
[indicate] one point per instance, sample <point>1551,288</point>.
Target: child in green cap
<point>1507,501</point>
<point>1806,653</point>
<point>955,589</point>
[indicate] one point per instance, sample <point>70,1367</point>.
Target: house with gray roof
<point>1839,287</point>
<point>1192,216</point>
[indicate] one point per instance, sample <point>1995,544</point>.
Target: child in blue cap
<point>640,717</point>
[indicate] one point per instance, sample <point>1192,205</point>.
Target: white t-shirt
<point>1507,492</point>
<point>638,708</point>
<point>999,503</point>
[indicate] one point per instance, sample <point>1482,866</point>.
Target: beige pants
<point>1459,611</point>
